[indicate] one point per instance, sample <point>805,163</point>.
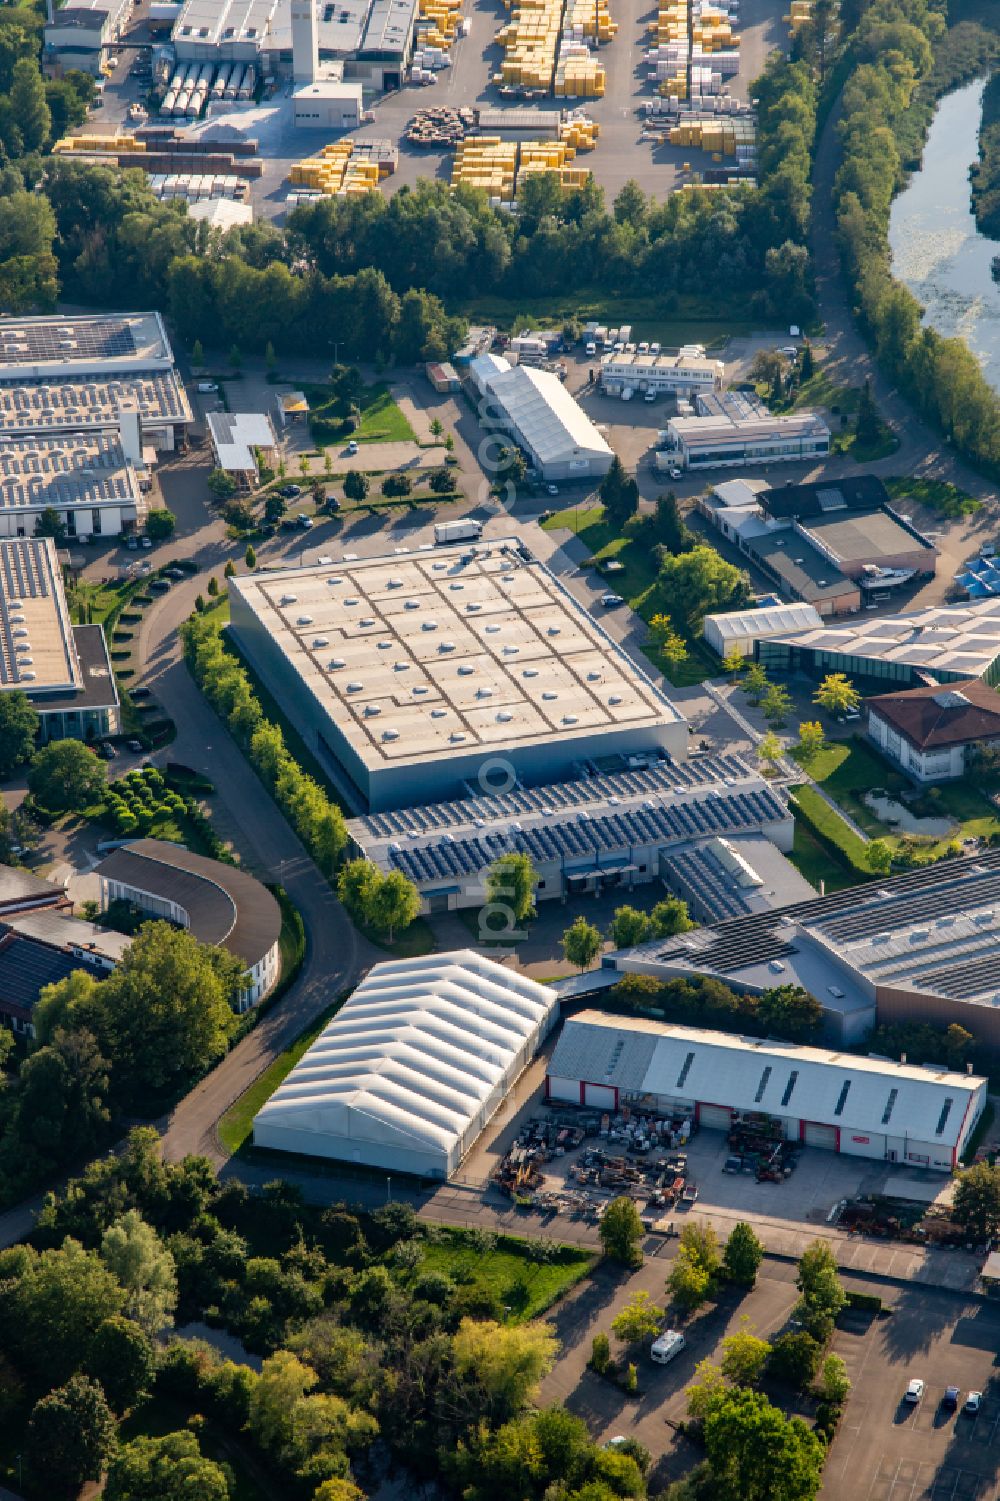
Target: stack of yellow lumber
<point>589,18</point>
<point>438,21</point>
<point>672,21</point>
<point>111,144</point>
<point>578,74</point>
<point>549,156</point>
<point>580,133</point>
<point>324,172</point>
<point>486,162</point>
<point>530,40</point>
<point>713,33</point>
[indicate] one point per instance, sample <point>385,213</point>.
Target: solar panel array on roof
<point>576,793</point>
<point>577,836</point>
<point>80,403</point>
<point>75,470</point>
<point>698,870</point>
<point>46,340</point>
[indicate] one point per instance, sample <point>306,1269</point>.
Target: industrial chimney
<point>305,43</point>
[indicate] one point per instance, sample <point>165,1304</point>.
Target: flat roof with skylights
<point>412,672</point>
<point>95,343</point>
<point>84,404</point>
<point>86,469</point>
<point>36,642</point>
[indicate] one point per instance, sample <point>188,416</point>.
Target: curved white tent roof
<point>413,1066</point>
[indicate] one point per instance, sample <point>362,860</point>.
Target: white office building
<point>663,374</point>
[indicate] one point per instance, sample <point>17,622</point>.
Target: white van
<point>666,1346</point>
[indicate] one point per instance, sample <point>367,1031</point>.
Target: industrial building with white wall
<point>411,676</point>
<point>412,1067</point>
<point>534,408</point>
<point>915,1115</point>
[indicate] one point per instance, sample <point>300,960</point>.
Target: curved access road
<point>244,813</point>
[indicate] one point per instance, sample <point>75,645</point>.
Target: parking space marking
<point>919,1480</point>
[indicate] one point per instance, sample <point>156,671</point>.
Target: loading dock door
<point>600,1097</point>
<point>564,1089</point>
<point>816,1135</point>
<point>715,1117</point>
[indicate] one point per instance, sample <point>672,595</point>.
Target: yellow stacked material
<point>677,84</point>
<point>486,162</point>
<point>590,18</point>
<point>549,156</point>
<point>580,134</point>
<point>102,143</point>
<point>713,33</point>
<point>442,18</point>
<point>530,41</point>
<point>800,15</point>
<point>579,74</point>
<point>671,22</point>
<point>324,172</point>
<point>720,137</point>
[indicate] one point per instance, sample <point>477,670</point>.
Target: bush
<point>600,1354</point>
<point>396,485</point>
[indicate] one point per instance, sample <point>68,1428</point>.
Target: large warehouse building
<point>412,1067</point>
<point>915,1115</point>
<point>534,408</point>
<point>411,676</point>
<point>918,947</point>
<point>594,834</point>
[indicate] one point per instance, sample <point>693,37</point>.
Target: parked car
<point>135,746</point>
<point>132,543</point>
<point>305,522</point>
<point>676,473</point>
<point>290,491</point>
<point>552,489</point>
<point>611,601</point>
<point>654,348</point>
<point>914,1391</point>
<point>950,1398</point>
<point>145,542</point>
<point>666,1346</point>
<point>173,573</point>
<point>107,751</point>
<point>973,1402</point>
<point>352,447</point>
<point>206,387</point>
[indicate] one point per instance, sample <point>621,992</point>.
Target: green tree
<point>668,527</point>
<point>436,426</point>
<point>145,1269</point>
<point>213,587</point>
<point>122,1359</point>
<point>700,582</point>
<point>441,481</point>
<point>28,106</point>
<point>789,1011</point>
<point>230,569</point>
<point>868,425</point>
<point>832,1383</point>
<point>795,1359</point>
<point>506,1362</point>
<point>769,749</point>
<point>397,903</point>
<point>689,1284</point>
<point>699,1241</point>
<point>807,364</point>
<point>629,926</point>
<point>19,723</point>
<point>811,740</point>
<point>270,358</point>
<point>600,1353</point>
<point>235,357</point>
<point>49,523</point>
<point>744,1355</point>
<point>878,856</point>
<point>733,663</point>
<point>822,1294</point>
<point>757,1454</point>
<point>619,494</point>
<point>221,485</point>
<point>66,776</point>
<point>581,943</point>
<point>396,485</point>
<point>755,682</point>
<point>250,558</point>
<point>511,882</point>
<point>743,1255</point>
<point>670,645</point>
<point>621,1232</point>
<point>170,1467</point>
<point>639,1319</point>
<point>284,1379</point>
<point>670,917</point>
<point>168,1009</point>
<point>837,694</point>
<point>160,524</point>
<point>776,704</point>
<point>976,1205</point>
<point>356,484</point>
<point>197,354</point>
<point>70,1437</point>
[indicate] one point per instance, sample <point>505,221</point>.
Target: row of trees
<point>583,940</point>
<point>985,174</point>
<point>785,1011</point>
<point>318,821</point>
<point>886,108</point>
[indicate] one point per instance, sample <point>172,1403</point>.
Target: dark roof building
<point>218,903</point>
<point>928,730</point>
<point>859,492</point>
<point>26,966</point>
<point>20,891</point>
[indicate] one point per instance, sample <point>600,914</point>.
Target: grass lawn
<point>828,822</point>
<point>236,1124</point>
<point>381,419</point>
<point>217,610</point>
<point>817,864</point>
<point>936,494</point>
<point>526,1287</point>
<point>162,1415</point>
<point>638,585</point>
<point>695,321</point>
<point>418,939</point>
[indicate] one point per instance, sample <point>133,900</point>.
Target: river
<point>937,251</point>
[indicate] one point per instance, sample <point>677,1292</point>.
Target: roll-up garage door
<point>599,1096</point>
<point>715,1117</point>
<point>820,1136</point>
<point>564,1089</point>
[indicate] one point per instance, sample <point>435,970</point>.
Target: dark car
<point>106,751</point>
<point>173,573</point>
<point>290,491</point>
<point>135,746</point>
<point>951,1396</point>
<point>733,1165</point>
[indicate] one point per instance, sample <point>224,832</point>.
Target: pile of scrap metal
<point>441,125</point>
<point>757,1144</point>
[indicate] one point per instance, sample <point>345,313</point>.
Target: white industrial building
<point>534,408</point>
<point>607,831</point>
<point>410,676</point>
<point>327,104</point>
<point>412,1067</point>
<point>663,374</point>
<point>88,479</point>
<point>80,33</point>
<point>722,441</point>
<point>737,630</point>
<point>237,438</point>
<point>77,373</point>
<point>62,668</point>
<point>916,1115</point>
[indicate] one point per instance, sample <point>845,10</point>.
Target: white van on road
<point>666,1346</point>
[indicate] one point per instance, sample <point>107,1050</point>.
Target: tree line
<point>985,174</point>
<point>365,1336</point>
<point>904,62</point>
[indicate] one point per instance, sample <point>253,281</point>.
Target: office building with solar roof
<point>919,1116</point>
<point>86,478</point>
<point>918,947</point>
<point>589,835</point>
<point>64,669</point>
<point>63,374</point>
<point>416,677</point>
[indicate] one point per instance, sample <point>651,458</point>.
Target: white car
<point>676,473</point>
<point>552,489</point>
<point>611,601</point>
<point>654,348</point>
<point>206,387</point>
<point>973,1402</point>
<point>914,1391</point>
<point>666,1346</point>
<point>352,447</point>
<point>790,352</point>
